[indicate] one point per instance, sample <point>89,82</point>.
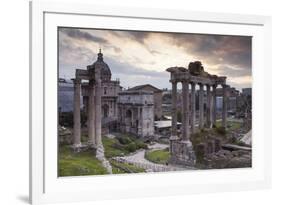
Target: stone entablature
<point>136,97</point>
<point>180,74</point>
<point>109,89</point>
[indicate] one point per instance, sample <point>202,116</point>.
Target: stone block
<point>217,144</point>
<point>182,153</point>
<point>210,146</point>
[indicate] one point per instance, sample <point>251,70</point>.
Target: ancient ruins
<point>138,111</point>
<point>180,145</point>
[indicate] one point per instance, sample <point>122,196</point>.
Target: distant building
<point>65,95</point>
<point>157,95</point>
<point>232,99</point>
<point>247,91</point>
<point>129,111</point>
<point>110,90</point>
<point>163,127</point>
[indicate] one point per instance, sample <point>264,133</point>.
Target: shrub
<point>141,145</point>
<point>132,147</point>
<point>124,140</point>
<point>221,130</point>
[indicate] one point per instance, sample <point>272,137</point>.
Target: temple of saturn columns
<point>180,145</point>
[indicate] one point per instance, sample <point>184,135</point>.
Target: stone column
<point>193,104</point>
<point>132,119</point>
<point>208,107</point>
<point>76,113</point>
<point>211,108</point>
<point>201,106</point>
<point>185,111</point>
<point>224,106</point>
<point>214,104</point>
<point>139,122</point>
<point>98,109</point>
<point>174,110</point>
<point>91,115</point>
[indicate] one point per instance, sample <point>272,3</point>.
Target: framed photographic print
<point>130,102</point>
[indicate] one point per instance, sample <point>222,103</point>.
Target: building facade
<point>136,113</point>
<point>157,95</point>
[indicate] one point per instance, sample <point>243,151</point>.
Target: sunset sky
<point>142,57</point>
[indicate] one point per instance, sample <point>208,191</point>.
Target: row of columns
<point>94,113</point>
<point>189,111</point>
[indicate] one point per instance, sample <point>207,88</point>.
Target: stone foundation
<point>182,152</point>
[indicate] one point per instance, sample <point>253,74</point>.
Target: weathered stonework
<point>157,97</point>
<point>180,145</point>
<point>182,152</point>
<point>136,113</point>
<point>97,75</point>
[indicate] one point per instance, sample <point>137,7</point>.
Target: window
<point>105,90</point>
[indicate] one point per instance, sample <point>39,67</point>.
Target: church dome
<point>104,68</point>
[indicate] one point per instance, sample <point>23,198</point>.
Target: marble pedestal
<point>182,152</point>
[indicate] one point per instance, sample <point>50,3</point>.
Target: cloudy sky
<point>142,57</point>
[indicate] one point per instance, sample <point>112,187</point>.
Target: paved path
<point>139,160</point>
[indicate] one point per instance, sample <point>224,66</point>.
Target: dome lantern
<point>104,68</point>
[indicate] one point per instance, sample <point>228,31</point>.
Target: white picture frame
<point>46,187</point>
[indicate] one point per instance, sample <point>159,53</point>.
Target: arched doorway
<point>128,120</point>
<point>105,110</point>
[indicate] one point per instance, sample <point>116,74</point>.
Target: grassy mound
<point>158,156</point>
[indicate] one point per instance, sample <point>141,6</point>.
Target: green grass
<point>231,125</point>
<point>85,163</point>
<point>122,145</point>
<point>78,164</point>
<point>158,156</point>
<point>113,148</point>
<point>234,125</point>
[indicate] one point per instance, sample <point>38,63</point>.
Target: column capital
<point>201,85</point>
<point>185,81</point>
<point>193,83</point>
